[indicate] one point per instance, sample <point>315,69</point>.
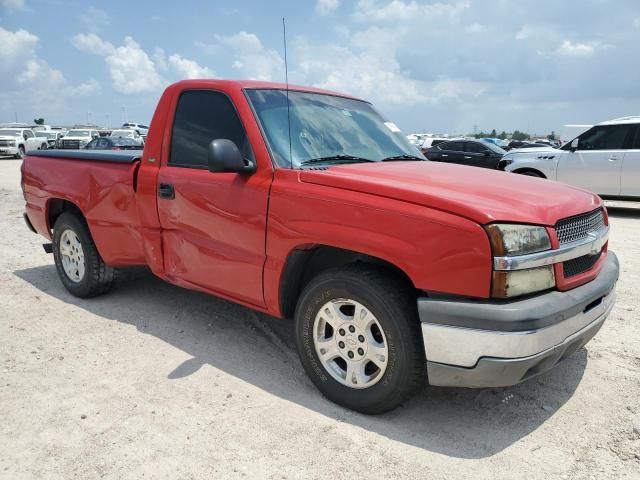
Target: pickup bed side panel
<point>438,251</point>
<point>103,191</point>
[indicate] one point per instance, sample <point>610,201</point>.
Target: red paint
<point>231,234</point>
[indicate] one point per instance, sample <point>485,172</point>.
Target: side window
<point>451,146</point>
<point>203,116</point>
<point>604,137</point>
<point>473,147</point>
<point>28,133</point>
<point>636,140</point>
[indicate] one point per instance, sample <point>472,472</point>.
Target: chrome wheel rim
<point>72,256</point>
<point>350,343</point>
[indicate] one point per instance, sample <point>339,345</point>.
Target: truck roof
<point>257,84</point>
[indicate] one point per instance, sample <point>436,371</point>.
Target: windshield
<point>324,126</point>
<point>122,133</point>
<point>78,133</point>
<point>495,148</point>
<point>10,133</point>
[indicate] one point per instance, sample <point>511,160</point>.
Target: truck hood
<point>77,138</point>
<point>8,137</point>
<point>478,194</point>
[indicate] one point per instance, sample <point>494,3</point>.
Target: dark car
<point>467,152</point>
<point>113,143</point>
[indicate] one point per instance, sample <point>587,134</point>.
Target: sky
<point>429,66</point>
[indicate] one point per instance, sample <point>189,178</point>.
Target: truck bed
<point>101,183</point>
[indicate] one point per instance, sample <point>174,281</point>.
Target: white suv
<point>17,141</point>
<point>605,159</point>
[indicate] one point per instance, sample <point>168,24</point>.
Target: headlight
<point>509,240</point>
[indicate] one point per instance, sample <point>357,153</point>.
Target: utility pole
<point>16,116</point>
<point>475,130</point>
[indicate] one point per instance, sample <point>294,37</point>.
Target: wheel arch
<point>56,207</point>
<point>525,170</point>
<point>305,262</point>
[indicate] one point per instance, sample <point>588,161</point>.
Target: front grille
<point>580,265</point>
<point>577,228</point>
<point>71,144</point>
<point>6,143</point>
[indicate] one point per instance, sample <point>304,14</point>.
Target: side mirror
<point>24,136</point>
<point>224,156</point>
<point>574,145</point>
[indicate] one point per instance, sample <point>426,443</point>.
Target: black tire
<point>21,152</point>
<point>98,277</point>
<point>394,306</point>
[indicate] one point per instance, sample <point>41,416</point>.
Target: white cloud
<point>577,49</point>
<point>253,60</point>
<point>92,43</point>
<point>325,7</point>
<point>13,4</point>
<point>132,70</point>
<point>94,19</point>
<point>189,68</point>
<point>400,11</point>
<point>28,81</point>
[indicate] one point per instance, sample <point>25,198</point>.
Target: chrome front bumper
<point>485,344</point>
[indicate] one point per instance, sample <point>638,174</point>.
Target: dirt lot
<point>158,382</point>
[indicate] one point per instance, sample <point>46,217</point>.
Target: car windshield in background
<point>46,134</point>
<point>78,133</point>
<point>124,142</point>
<point>10,133</point>
<point>326,128</point>
<point>495,148</point>
<point>122,133</point>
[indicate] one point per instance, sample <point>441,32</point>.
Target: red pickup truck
<point>305,203</point>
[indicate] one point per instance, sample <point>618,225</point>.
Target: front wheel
<point>79,265</point>
<point>21,152</point>
<point>359,339</point>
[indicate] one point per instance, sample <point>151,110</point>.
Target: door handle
<point>166,190</point>
<point>445,155</point>
<point>613,159</point>
<point>466,157</point>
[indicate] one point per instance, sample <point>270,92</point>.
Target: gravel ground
<point>155,381</point>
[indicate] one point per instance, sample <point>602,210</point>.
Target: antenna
<point>286,79</point>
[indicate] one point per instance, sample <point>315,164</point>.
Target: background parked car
<point>467,152</point>
<point>605,159</point>
<point>142,129</point>
<point>113,143</point>
<point>129,133</point>
<point>53,137</point>
<point>78,138</point>
<point>17,141</point>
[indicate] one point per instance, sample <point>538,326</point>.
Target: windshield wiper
<point>337,158</point>
<point>398,158</point>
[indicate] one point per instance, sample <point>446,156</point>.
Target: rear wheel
<point>79,265</point>
<point>359,339</point>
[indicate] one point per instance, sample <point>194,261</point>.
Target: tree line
<point>515,135</point>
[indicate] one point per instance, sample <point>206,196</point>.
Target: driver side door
<point>213,223</point>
